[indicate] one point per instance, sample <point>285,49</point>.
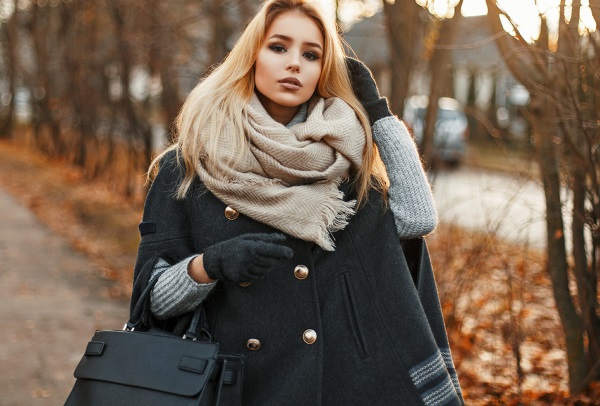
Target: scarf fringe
<point>337,215</point>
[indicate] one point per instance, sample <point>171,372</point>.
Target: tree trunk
<point>138,130</point>
<point>47,130</point>
<point>585,282</point>
<point>438,68</point>
<point>403,31</point>
<point>8,36</point>
<point>544,130</point>
<point>221,31</point>
<point>247,11</point>
<point>170,100</point>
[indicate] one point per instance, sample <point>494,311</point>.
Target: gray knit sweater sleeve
<point>175,291</point>
<point>410,197</point>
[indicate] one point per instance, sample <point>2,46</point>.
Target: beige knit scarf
<point>288,178</point>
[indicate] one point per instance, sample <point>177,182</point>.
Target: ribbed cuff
<point>176,292</point>
<point>377,110</point>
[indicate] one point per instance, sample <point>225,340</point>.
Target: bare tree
<point>415,41</point>
<point>439,67</point>
<point>45,124</point>
<point>8,38</point>
<point>103,74</point>
<point>564,112</point>
<point>221,30</point>
<point>404,30</point>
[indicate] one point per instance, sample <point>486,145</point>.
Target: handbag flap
<point>158,362</point>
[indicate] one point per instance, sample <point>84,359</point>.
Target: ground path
<point>510,206</point>
<point>52,301</point>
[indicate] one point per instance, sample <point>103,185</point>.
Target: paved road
<point>51,304</point>
<point>511,206</point>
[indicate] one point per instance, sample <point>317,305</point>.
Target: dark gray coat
<point>372,303</point>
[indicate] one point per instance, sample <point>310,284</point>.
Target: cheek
<point>261,70</point>
<point>314,76</point>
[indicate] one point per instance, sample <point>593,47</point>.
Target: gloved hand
<point>366,90</point>
<point>246,258</point>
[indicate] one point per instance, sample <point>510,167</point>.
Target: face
<point>288,65</point>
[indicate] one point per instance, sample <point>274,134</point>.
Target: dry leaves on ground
<point>504,329</point>
<point>89,214</point>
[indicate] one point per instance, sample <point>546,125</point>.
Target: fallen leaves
<point>89,214</point>
<point>503,327</point>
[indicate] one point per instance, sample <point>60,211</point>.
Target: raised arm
<point>410,197</point>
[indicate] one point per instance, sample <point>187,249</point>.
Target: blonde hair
<point>221,96</point>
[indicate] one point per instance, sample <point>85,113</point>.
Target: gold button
<point>301,272</point>
<point>253,344</point>
<point>244,284</point>
<point>231,213</point>
<point>309,336</point>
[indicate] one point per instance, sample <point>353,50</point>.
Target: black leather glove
<point>246,258</point>
<point>366,90</point>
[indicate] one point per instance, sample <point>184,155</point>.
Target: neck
<point>279,113</point>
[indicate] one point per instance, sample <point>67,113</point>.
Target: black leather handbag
<point>132,367</point>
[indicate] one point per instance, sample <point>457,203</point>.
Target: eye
<point>311,56</point>
<point>277,48</point>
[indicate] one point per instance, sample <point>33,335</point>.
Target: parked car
<point>451,127</point>
<point>23,109</point>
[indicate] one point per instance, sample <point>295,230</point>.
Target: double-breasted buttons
<point>301,272</point>
<point>231,213</point>
<point>253,344</point>
<point>309,336</point>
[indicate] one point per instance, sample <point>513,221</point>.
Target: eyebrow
<point>286,38</point>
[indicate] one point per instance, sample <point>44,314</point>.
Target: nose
<point>293,63</point>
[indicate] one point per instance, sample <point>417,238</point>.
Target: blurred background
<point>502,97</point>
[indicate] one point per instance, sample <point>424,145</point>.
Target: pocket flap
<point>149,361</point>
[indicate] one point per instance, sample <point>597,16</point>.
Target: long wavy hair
<point>220,98</point>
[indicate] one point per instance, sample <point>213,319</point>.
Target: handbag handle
<point>197,325</point>
<point>142,306</point>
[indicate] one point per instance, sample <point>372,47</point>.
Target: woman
<point>271,208</point>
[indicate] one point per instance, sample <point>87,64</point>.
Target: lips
<point>290,83</point>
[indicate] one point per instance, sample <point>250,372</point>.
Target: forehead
<point>297,26</point>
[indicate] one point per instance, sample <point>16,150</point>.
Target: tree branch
<point>525,61</point>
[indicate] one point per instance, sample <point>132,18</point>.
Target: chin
<point>284,100</point>
<point>291,101</point>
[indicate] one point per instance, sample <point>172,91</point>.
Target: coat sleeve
<point>410,197</point>
<point>165,232</point>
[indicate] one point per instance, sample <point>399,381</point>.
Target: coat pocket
<point>353,315</point>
